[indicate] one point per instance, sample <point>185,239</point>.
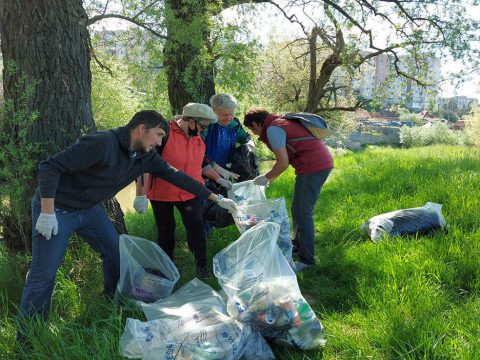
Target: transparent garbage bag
<point>246,192</point>
<point>191,327</point>
<point>419,220</point>
<point>270,210</point>
<point>194,296</point>
<point>195,336</point>
<point>146,272</point>
<point>262,289</point>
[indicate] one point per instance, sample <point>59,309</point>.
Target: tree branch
<point>357,105</point>
<point>96,18</point>
<point>97,60</point>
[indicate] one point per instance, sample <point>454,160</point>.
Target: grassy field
<point>408,297</point>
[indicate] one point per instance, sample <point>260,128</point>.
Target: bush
<point>17,163</point>
<point>473,126</point>
<point>263,152</point>
<point>437,134</point>
<point>416,118</point>
<point>114,100</point>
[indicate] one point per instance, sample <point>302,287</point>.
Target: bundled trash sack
<point>271,210</point>
<point>246,192</point>
<point>244,163</point>
<point>262,289</point>
<point>419,220</point>
<point>146,272</point>
<point>191,324</point>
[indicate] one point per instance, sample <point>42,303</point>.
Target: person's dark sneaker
<point>208,230</point>
<point>204,272</point>
<point>295,252</point>
<point>300,266</point>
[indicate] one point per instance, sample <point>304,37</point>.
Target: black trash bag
<point>244,163</point>
<point>212,213</point>
<point>420,220</point>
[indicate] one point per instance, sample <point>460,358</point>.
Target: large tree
<point>46,56</point>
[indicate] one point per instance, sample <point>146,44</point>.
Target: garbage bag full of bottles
<point>192,323</point>
<point>262,289</point>
<point>146,272</point>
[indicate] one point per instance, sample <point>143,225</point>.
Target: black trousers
<point>191,212</point>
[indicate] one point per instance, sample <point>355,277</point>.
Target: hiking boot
<point>203,272</point>
<point>300,266</point>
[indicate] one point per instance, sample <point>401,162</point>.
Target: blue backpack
<point>314,123</point>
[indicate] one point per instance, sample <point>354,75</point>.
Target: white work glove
<point>47,225</point>
<point>225,183</point>
<point>228,204</point>
<point>225,173</point>
<point>251,146</point>
<point>140,204</point>
<point>261,180</point>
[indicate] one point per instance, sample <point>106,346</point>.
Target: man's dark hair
<point>255,115</point>
<point>149,118</point>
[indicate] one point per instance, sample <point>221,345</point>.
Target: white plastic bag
<point>269,210</point>
<point>191,324</point>
<point>193,336</point>
<point>262,289</point>
<point>146,272</point>
<point>193,297</point>
<point>419,220</point>
<point>246,192</point>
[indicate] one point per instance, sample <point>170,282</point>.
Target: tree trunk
<point>46,40</point>
<point>189,64</point>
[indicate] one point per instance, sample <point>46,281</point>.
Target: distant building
<point>377,80</point>
<point>460,105</point>
<point>117,43</point>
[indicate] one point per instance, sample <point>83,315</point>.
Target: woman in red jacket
<point>184,149</point>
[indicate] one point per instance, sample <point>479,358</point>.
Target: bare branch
<point>126,18</point>
<point>357,105</point>
<point>292,18</point>
<point>97,60</point>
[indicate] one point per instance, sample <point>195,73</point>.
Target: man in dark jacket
<point>293,144</point>
<point>73,183</point>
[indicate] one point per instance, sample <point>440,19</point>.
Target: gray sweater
<point>100,165</point>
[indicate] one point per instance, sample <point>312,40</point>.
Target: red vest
<point>306,156</point>
<point>183,153</point>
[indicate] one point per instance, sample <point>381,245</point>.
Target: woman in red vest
<point>184,149</point>
<point>293,144</point>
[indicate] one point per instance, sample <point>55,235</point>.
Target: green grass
<point>404,298</point>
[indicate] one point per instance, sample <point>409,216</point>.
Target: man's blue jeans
<point>307,190</point>
<point>47,255</point>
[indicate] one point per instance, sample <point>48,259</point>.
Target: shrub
<point>263,152</point>
<point>416,118</point>
<point>17,162</point>
<point>437,134</point>
<point>114,100</point>
<point>473,126</point>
